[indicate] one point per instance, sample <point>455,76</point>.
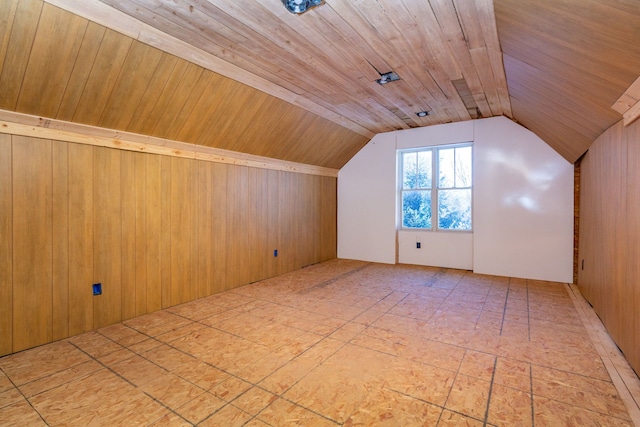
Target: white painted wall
<point>367,203</point>
<point>523,204</point>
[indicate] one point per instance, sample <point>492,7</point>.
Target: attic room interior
<point>323,212</point>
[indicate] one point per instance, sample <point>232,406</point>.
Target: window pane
<point>454,209</point>
<point>446,166</point>
<point>463,167</point>
<point>416,209</point>
<point>409,175</point>
<point>424,169</point>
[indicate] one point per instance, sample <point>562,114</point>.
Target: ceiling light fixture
<point>388,77</point>
<point>300,6</point>
<point>422,113</point>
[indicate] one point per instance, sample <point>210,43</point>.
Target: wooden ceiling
<point>248,76</point>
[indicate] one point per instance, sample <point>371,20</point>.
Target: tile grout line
<point>533,411</point>
<point>607,350</point>
<point>493,376</point>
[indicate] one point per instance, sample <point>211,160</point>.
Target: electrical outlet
<point>418,245</point>
<point>275,253</point>
<point>97,289</point>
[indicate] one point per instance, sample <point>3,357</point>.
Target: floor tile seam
<point>61,384</point>
<point>493,375</point>
<point>575,405</point>
<point>528,314</point>
<point>442,407</point>
<point>504,313</point>
<point>281,396</point>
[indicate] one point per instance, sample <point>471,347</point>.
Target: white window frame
<point>434,186</point>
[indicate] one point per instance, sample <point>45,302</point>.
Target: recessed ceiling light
<point>422,113</point>
<point>388,77</point>
<point>300,6</point>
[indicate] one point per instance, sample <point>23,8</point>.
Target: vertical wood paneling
<point>182,204</point>
<point>630,310</point>
<point>153,211</point>
<point>156,231</point>
<point>60,229</point>
<point>609,234</point>
<point>274,226</point>
<point>23,29</point>
<point>43,86</point>
<point>107,245</point>
<point>328,221</point>
<point>6,247</point>
<point>32,242</point>
<point>102,78</point>
<point>128,253</point>
<point>165,231</point>
<point>220,229</point>
<point>81,232</point>
<point>205,229</point>
<point>141,233</point>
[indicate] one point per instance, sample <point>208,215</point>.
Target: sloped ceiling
<point>248,76</point>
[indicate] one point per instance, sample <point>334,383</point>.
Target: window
<point>436,188</point>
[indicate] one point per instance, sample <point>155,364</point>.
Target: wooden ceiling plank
<point>7,15</point>
<point>82,66</point>
<point>105,15</point>
<point>484,69</point>
<point>448,22</point>
<point>149,100</point>
<point>18,51</point>
<point>631,114</point>
<point>137,70</point>
<point>43,84</point>
<point>102,78</point>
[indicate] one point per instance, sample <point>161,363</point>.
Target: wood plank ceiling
<point>248,76</point>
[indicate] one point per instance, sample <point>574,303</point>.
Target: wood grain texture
<point>60,240</point>
<point>107,244</point>
<point>6,246</point>
<point>81,238</point>
<point>609,234</point>
<point>155,231</point>
<point>32,242</point>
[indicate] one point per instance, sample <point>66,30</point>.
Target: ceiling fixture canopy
<point>388,77</point>
<point>422,113</point>
<point>301,6</point>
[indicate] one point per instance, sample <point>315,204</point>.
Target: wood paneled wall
<point>609,248</point>
<point>156,231</point>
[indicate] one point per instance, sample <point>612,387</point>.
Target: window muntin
<point>436,188</point>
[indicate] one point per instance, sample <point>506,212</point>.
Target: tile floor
<point>339,343</point>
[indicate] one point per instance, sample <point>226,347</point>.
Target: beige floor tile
<point>284,413</point>
<point>339,342</point>
<point>122,334</point>
<point>451,419</point>
<point>469,396</point>
<point>553,413</point>
<point>200,408</point>
<point>577,390</point>
<point>171,390</point>
<point>95,344</point>
<point>478,365</point>
<point>10,397</point>
<point>254,400</point>
<point>420,381</point>
<point>230,388</point>
<point>100,396</point>
<point>228,416</point>
<point>62,377</point>
<point>138,371</point>
<point>40,362</point>
<point>509,407</point>
<point>387,408</point>
<point>20,414</point>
